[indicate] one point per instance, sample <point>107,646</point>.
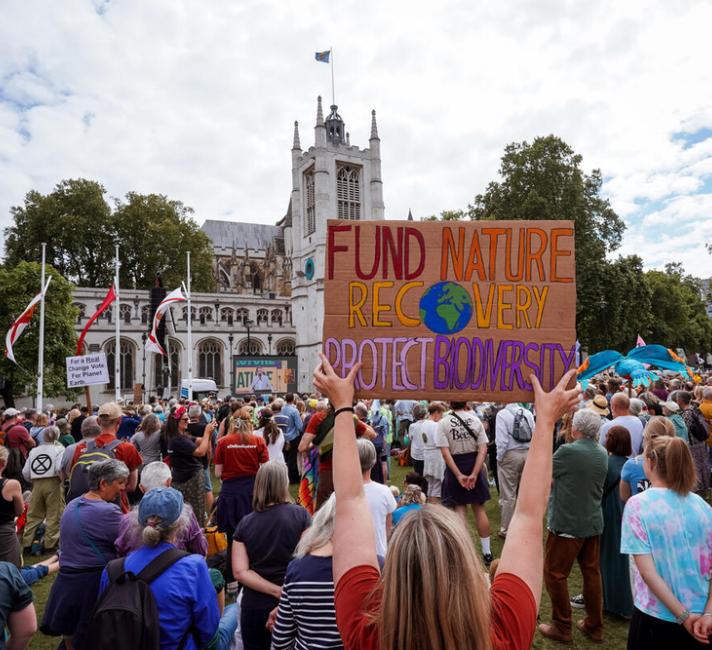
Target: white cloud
<point>196,100</point>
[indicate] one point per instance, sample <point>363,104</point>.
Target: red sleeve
<point>356,595</point>
<point>314,422</point>
<point>262,451</point>
<point>127,453</point>
<point>513,613</point>
<point>360,427</point>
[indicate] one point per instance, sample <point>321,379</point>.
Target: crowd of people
<point>613,478</point>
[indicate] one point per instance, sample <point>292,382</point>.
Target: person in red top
<point>324,441</point>
<point>433,592</point>
<point>15,435</point>
<point>109,419</point>
<point>238,456</point>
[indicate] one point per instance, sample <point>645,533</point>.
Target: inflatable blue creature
<point>632,365</point>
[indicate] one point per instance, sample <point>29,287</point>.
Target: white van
<point>201,388</point>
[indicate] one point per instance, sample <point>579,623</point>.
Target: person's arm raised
<point>354,537</point>
<point>523,553</point>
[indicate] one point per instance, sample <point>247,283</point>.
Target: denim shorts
<point>208,482</point>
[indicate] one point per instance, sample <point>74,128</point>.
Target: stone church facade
<point>269,278</point>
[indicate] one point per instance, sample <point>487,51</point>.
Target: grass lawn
<point>616,630</point>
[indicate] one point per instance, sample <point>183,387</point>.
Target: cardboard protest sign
<point>86,370</point>
<point>450,310</point>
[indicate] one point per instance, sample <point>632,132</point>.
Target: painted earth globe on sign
<point>445,308</point>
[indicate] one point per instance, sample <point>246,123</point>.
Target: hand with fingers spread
<point>551,406</point>
<point>340,391</point>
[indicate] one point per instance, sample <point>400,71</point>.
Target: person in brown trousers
<point>575,524</point>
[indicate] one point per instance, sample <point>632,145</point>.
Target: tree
<point>18,285</point>
<point>544,180</point>
<point>81,230</point>
<point>155,234</point>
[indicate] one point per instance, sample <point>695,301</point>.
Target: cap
<point>10,413</point>
<point>671,406</point>
<point>599,404</point>
<point>111,410</point>
<point>164,503</point>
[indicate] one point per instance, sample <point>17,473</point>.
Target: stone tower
<point>331,180</point>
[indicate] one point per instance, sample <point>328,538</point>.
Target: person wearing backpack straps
<point>179,610</point>
<point>87,530</point>
<point>463,443</point>
<point>513,433</point>
<point>697,434</point>
<point>105,445</point>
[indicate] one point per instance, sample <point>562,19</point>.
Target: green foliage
<point>81,230</point>
<point>18,285</point>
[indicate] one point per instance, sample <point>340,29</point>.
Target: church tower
<point>331,180</point>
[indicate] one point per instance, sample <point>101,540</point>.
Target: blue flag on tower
<point>322,56</point>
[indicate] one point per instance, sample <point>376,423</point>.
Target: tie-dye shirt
<point>677,532</point>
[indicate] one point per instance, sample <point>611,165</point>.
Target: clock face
<point>309,268</point>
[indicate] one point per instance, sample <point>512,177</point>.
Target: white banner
<point>87,370</point>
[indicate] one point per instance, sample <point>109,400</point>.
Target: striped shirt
<point>307,619</point>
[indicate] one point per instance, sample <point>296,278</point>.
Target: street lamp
<point>248,322</point>
<point>136,304</point>
<point>230,339</point>
<point>217,312</point>
<point>269,342</point>
<point>143,372</point>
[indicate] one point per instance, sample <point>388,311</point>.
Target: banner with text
<point>87,370</point>
<point>268,374</point>
<point>450,310</point>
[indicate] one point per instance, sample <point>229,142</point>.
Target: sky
<point>196,99</point>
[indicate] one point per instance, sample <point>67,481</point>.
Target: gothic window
<point>205,315</point>
<point>126,313</point>
<point>145,313</point>
<point>286,348</point>
<point>310,221</point>
<point>210,360</point>
<point>262,316</point>
<point>276,317</point>
<point>108,314</point>
<point>226,315</point>
<point>254,349</point>
<point>159,377</point>
<point>241,315</point>
<point>185,314</point>
<point>126,357</point>
<point>348,195</point>
<point>81,309</point>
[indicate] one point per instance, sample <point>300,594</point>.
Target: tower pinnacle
<point>319,112</point>
<point>296,144</point>
<point>374,128</point>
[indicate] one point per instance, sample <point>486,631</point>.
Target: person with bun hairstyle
<point>184,594</point>
<point>667,529</point>
<point>433,592</point>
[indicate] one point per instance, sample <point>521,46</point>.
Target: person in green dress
<point>617,596</point>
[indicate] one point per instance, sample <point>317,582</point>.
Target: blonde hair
<point>658,426</point>
<point>42,420</point>
<point>4,455</point>
<point>271,486</point>
<point>435,591</point>
<point>321,530</point>
<point>241,423</point>
<point>673,463</point>
<point>412,494</point>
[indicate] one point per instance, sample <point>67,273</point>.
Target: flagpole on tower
<point>333,95</point>
<point>117,343</point>
<point>40,352</point>
<point>190,331</point>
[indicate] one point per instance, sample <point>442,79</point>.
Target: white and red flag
<point>152,344</point>
<point>110,297</point>
<point>18,327</point>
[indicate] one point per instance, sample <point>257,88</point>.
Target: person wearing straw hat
<point>599,404</point>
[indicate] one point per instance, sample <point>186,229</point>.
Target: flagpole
<point>40,351</point>
<point>190,331</point>
<point>333,95</point>
<point>117,343</point>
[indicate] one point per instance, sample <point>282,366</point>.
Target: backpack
<point>126,614</point>
<point>380,425</point>
<point>79,476</point>
<point>522,430</point>
<point>698,429</point>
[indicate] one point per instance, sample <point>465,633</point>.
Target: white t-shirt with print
<point>453,435</point>
<point>381,504</point>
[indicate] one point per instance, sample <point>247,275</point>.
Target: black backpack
<point>126,615</point>
<point>79,476</point>
<point>521,430</point>
<point>698,430</point>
